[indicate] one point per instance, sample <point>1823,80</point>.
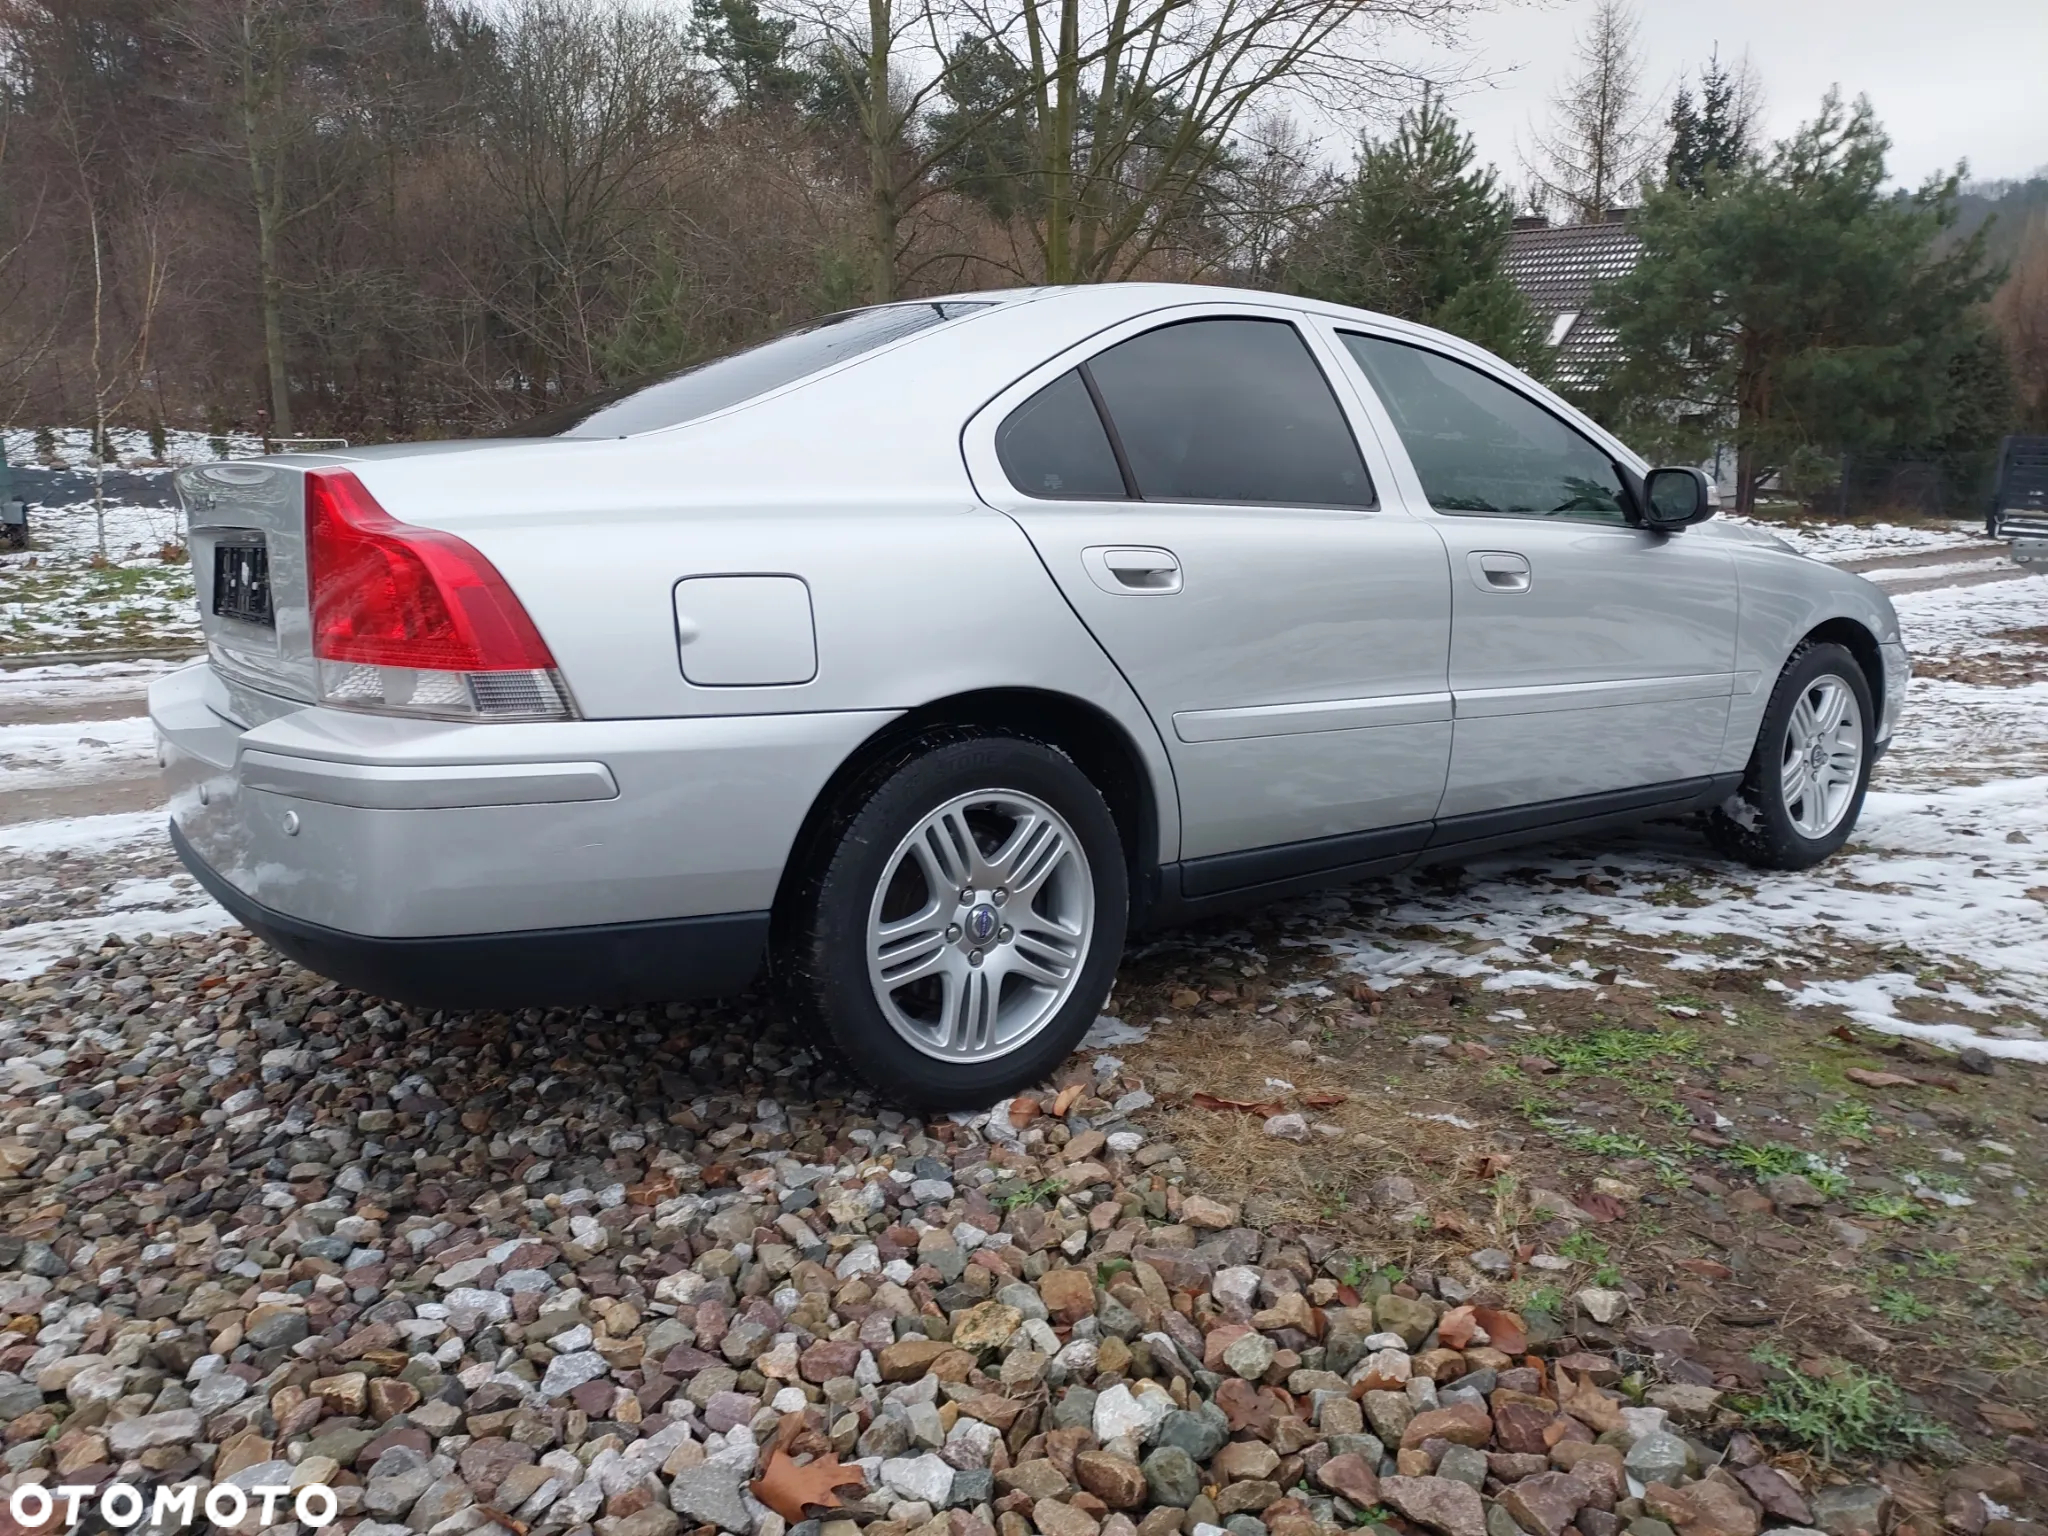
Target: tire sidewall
<point>1801,673</point>
<point>834,949</point>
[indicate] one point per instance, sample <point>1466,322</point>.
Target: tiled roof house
<point>1558,267</point>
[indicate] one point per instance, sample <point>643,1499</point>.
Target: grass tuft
<point>1847,1413</point>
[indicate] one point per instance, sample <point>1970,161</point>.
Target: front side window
<point>699,391</point>
<point>1229,410</point>
<point>1481,447</point>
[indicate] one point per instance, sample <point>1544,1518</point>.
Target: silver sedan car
<point>918,656</point>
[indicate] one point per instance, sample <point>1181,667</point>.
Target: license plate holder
<point>241,582</point>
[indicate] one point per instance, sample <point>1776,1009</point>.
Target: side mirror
<point>1678,498</point>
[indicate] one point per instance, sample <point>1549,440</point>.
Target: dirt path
<point>97,797</point>
<point>1948,555</point>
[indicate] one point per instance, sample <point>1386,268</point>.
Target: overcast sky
<point>1950,79</point>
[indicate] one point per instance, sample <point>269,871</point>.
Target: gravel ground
<point>552,1273</point>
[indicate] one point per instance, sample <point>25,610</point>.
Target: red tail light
<point>387,594</point>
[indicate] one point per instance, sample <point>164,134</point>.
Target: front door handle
<point>1133,570</point>
<point>1498,570</point>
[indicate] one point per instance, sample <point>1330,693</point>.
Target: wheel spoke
<point>970,1013</point>
<point>1803,724</point>
<point>1043,956</point>
<point>911,956</point>
<point>1798,784</point>
<point>1834,703</point>
<point>951,845</point>
<point>1034,861</point>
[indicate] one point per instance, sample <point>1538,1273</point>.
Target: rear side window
<point>695,392</point>
<point>1054,446</point>
<point>1481,447</point>
<point>1230,410</point>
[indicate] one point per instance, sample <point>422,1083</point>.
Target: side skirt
<point>1223,882</point>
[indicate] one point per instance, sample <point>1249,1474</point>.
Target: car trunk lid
<point>246,528</point>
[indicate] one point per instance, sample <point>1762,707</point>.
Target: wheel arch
<point>1096,740</point>
<point>1854,637</point>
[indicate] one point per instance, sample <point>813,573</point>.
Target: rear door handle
<point>1498,570</point>
<point>1133,570</point>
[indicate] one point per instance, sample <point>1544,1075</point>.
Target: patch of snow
<point>51,755</point>
<point>1107,1031</point>
<point>1835,542</point>
<point>132,907</point>
<point>83,834</point>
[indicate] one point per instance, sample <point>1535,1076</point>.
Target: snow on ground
<point>68,534</point>
<point>58,599</point>
<point>1971,621</point>
<point>1948,869</point>
<point>81,683</point>
<point>51,756</point>
<point>131,446</point>
<point>70,882</point>
<point>1996,561</point>
<point>1836,542</point>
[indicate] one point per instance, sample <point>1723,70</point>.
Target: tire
<point>1780,818</point>
<point>962,1002</point>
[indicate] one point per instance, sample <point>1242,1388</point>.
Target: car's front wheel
<point>962,919</point>
<point>1804,787</point>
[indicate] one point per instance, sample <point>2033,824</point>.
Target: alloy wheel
<point>1823,757</point>
<point>980,925</point>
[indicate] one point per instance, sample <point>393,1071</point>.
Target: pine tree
<point>1798,310</point>
<point>1420,233</point>
<point>752,52</point>
<point>1710,139</point>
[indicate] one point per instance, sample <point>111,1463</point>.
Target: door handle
<point>1133,570</point>
<point>1498,570</point>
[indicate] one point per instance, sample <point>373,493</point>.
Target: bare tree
<point>1138,110</point>
<point>588,101</point>
<point>1602,138</point>
<point>2020,310</point>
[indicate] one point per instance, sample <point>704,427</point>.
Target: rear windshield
<point>675,398</point>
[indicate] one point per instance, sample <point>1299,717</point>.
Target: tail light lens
<point>415,621</point>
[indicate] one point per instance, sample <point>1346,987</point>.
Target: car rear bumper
<point>582,860</point>
<point>608,963</point>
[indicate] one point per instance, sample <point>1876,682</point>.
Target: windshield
<point>669,401</point>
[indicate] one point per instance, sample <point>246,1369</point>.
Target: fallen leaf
<point>1844,1033</point>
<point>1243,1106</point>
<point>499,1518</point>
<point>1023,1111</point>
<point>1871,1079</point>
<point>1323,1100</point>
<point>1456,1327</point>
<point>1451,1221</point>
<point>1488,1165</point>
<point>796,1492</point>
<point>1599,1206</point>
<point>1510,1336</point>
<point>1706,1269</point>
<point>1065,1101</point>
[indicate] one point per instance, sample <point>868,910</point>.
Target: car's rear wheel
<point>962,919</point>
<point>1804,787</point>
